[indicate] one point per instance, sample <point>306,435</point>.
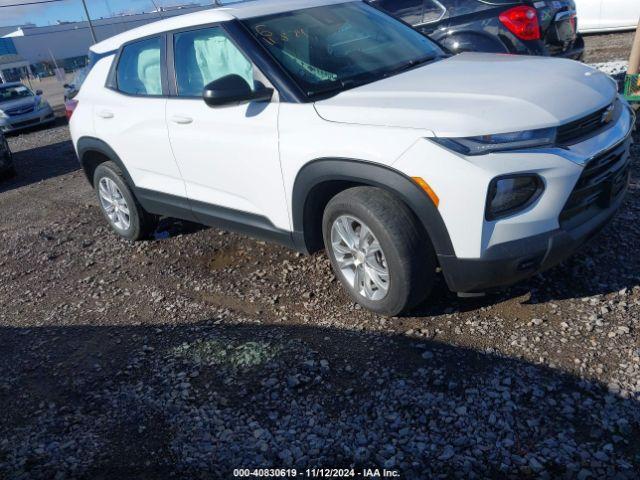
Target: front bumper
<point>508,263</point>
<point>31,119</point>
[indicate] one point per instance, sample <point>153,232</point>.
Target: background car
<point>21,108</point>
<point>72,89</point>
<point>6,159</point>
<point>608,15</point>
<point>524,27</point>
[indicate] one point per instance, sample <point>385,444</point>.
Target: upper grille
<point>602,182</point>
<point>13,112</point>
<point>581,128</point>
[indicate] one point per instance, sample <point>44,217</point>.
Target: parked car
<point>608,15</point>
<point>525,27</point>
<point>7,168</point>
<point>21,108</point>
<point>330,124</point>
<point>72,89</point>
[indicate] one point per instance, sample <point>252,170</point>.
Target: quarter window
<point>203,56</point>
<point>139,68</point>
<point>414,12</point>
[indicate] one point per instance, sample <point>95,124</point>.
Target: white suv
<point>330,124</point>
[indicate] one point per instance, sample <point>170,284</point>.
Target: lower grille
<point>604,180</point>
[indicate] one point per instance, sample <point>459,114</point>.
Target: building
<point>65,45</point>
<point>12,66</point>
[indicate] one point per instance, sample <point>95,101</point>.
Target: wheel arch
<point>92,152</point>
<point>473,41</point>
<point>319,180</point>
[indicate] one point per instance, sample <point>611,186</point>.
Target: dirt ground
<point>608,47</point>
<point>203,351</point>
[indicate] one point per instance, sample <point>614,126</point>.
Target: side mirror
<point>234,90</point>
<point>38,92</point>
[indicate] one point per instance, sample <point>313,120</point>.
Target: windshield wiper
<point>370,77</point>
<point>411,64</point>
<point>342,86</point>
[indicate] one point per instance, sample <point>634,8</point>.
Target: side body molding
<point>316,175</point>
<point>163,204</point>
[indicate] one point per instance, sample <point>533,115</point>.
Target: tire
<point>405,253</point>
<point>8,172</point>
<point>130,220</point>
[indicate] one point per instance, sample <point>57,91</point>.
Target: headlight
<point>3,115</point>
<point>512,193</point>
<point>499,142</point>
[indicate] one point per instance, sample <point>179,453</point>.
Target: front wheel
<point>377,250</point>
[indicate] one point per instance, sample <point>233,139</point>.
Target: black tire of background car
<point>410,257</point>
<point>142,223</point>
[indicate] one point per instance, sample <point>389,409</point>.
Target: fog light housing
<point>510,194</point>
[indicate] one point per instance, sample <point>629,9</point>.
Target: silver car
<point>21,108</point>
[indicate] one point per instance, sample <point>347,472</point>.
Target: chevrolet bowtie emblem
<point>607,115</point>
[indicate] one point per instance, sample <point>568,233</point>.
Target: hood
<point>19,103</point>
<point>476,94</point>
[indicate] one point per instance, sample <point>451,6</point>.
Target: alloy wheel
<point>114,203</point>
<point>360,257</point>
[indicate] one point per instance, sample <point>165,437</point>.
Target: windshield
<point>333,47</point>
<point>14,92</point>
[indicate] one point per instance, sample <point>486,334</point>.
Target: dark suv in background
<point>524,27</point>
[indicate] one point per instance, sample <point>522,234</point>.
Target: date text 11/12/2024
<point>315,473</point>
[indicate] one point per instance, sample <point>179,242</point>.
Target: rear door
<point>589,12</point>
<point>620,14</point>
<point>129,115</point>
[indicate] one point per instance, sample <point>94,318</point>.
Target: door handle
<point>105,114</point>
<point>180,120</point>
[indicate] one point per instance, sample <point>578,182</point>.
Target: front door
<point>228,156</point>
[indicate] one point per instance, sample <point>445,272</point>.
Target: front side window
<point>139,69</point>
<point>331,48</point>
<point>203,56</point>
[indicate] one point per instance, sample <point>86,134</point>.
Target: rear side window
<point>203,56</point>
<point>139,69</point>
<point>414,12</point>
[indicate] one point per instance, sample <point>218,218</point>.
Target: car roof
<point>240,10</point>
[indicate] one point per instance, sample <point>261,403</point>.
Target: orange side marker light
<point>428,190</point>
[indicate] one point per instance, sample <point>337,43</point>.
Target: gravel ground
<point>203,351</point>
<point>608,47</point>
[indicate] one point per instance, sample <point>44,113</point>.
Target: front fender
<point>328,171</point>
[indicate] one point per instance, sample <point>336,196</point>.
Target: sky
<point>71,10</point>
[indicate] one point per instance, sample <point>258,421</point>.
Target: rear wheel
<point>377,250</point>
<point>119,206</point>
